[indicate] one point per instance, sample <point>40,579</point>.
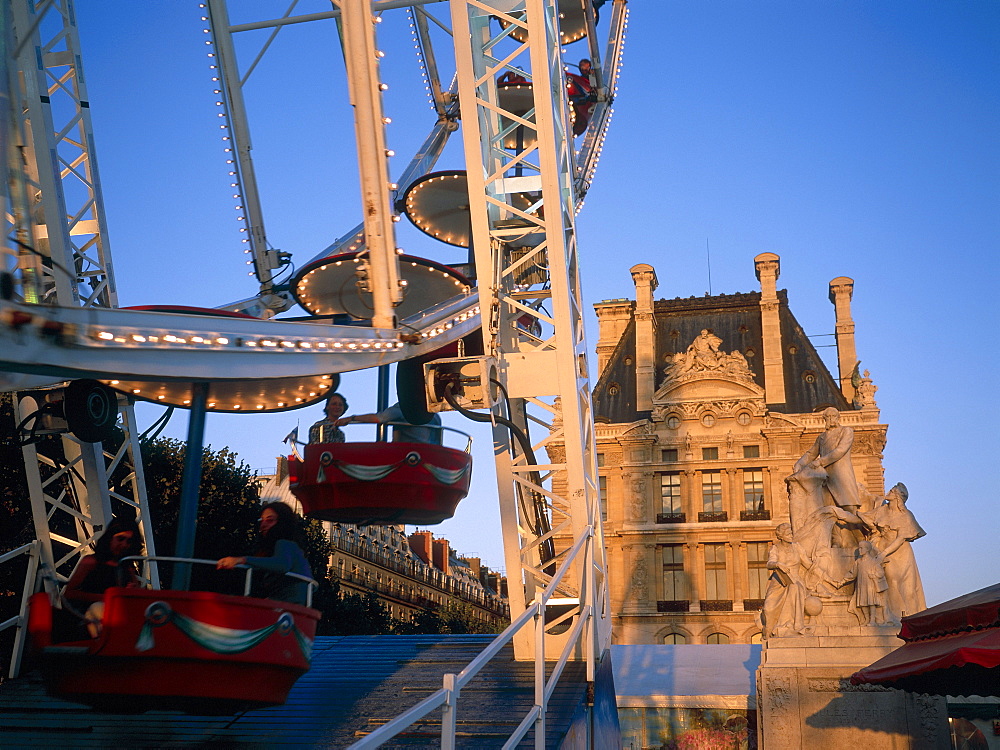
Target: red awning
<point>980,609</point>
<point>951,649</point>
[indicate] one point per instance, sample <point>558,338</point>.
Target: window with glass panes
<point>753,489</point>
<point>757,569</point>
<point>718,639</point>
<point>674,585</point>
<point>711,491</point>
<point>716,586</point>
<point>602,485</point>
<point>670,491</point>
<point>674,639</point>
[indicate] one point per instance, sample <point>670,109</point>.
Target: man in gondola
<point>326,430</point>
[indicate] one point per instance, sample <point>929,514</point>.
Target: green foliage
<point>452,618</point>
<point>350,614</point>
<point>228,507</point>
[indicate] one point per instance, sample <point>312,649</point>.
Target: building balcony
<point>674,605</point>
<point>716,605</point>
<point>671,517</point>
<point>719,515</point>
<point>753,605</point>
<point>755,515</point>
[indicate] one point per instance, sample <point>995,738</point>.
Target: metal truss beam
<point>523,203</point>
<point>57,239</point>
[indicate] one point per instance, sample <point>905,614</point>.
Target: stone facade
<point>407,574</point>
<point>703,406</point>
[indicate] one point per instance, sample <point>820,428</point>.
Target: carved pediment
<point>688,371</point>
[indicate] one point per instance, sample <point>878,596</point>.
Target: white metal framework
<point>58,255</point>
<point>530,296</point>
<point>526,181</point>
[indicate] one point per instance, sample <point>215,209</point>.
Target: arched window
<point>717,638</point>
<point>756,638</point>
<point>674,639</point>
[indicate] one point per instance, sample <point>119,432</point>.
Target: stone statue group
<point>841,541</point>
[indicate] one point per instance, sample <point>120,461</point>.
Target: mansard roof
<point>736,319</point>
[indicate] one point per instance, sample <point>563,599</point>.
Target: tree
<point>351,614</point>
<point>228,507</point>
<point>451,618</point>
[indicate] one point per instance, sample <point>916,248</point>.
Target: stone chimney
<point>613,316</point>
<point>475,565</point>
<point>420,543</point>
<point>841,291</point>
<point>645,281</point>
<point>440,555</point>
<point>768,267</point>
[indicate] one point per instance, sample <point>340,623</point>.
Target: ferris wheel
<point>498,333</point>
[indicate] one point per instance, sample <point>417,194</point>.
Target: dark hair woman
<point>278,551</point>
<point>102,570</point>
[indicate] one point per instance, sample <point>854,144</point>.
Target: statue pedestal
<point>805,698</point>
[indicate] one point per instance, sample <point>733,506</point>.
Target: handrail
<point>32,550</point>
<point>438,427</point>
<point>452,684</point>
<point>247,581</point>
<point>15,552</point>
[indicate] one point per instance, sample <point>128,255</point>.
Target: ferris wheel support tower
<point>55,216</point>
<point>539,353</point>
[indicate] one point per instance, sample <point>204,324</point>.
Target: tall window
<point>674,585</point>
<point>670,491</point>
<point>600,459</point>
<point>674,639</point>
<point>753,489</point>
<point>757,568</point>
<point>716,587</point>
<point>717,638</point>
<point>602,485</point>
<point>711,491</point>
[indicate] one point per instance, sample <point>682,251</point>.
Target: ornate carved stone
<point>640,579</point>
<point>869,443</point>
<point>864,397</point>
<point>841,685</point>
<point>704,356</point>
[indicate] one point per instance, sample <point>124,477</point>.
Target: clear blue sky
<point>852,138</point>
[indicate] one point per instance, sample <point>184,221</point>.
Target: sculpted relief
<point>704,355</point>
<point>842,543</point>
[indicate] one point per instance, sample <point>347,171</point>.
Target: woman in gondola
<point>100,571</point>
<point>278,551</point>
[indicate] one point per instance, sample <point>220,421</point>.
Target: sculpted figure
<point>784,600</point>
<point>832,452</point>
<point>895,527</point>
<point>805,492</point>
<point>870,586</point>
<point>702,354</point>
<point>865,391</point>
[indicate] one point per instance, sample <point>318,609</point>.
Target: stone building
<point>407,573</point>
<point>703,405</point>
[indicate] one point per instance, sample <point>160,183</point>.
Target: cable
<point>541,525</point>
<point>159,425</point>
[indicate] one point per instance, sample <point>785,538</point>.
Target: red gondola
<point>195,651</point>
<point>387,483</point>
